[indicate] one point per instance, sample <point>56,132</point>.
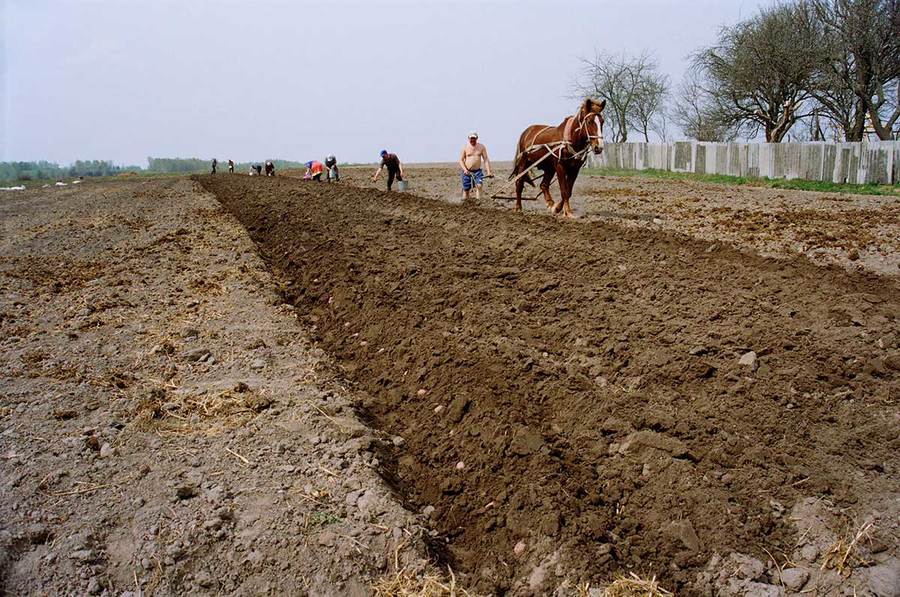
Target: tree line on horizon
<point>196,166</point>
<point>799,70</point>
<point>44,170</point>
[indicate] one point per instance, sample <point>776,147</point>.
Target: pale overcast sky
<point>127,79</point>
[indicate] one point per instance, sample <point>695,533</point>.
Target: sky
<point>122,80</point>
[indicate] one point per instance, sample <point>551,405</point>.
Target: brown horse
<point>561,151</point>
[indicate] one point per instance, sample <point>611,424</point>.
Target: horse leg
<point>563,188</point>
<point>545,187</point>
<point>520,184</point>
<point>571,175</point>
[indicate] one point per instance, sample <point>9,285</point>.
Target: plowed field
<point>586,398</point>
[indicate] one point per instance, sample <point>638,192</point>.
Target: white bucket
<point>402,185</point>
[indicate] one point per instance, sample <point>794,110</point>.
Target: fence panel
<point>855,163</point>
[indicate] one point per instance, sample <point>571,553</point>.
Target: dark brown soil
<point>574,389</point>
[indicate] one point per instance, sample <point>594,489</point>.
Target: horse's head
<point>590,120</point>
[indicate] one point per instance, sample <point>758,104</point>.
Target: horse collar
<point>567,133</point>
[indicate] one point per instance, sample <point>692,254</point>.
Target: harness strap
<point>566,143</point>
<point>567,132</point>
<point>538,134</point>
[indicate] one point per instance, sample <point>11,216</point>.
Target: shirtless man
<point>470,162</point>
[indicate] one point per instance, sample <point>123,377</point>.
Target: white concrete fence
<point>855,163</point>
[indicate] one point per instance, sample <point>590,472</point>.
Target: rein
<point>599,134</point>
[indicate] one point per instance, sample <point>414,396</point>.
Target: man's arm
<point>462,161</point>
<point>487,162</point>
<point>400,164</point>
<point>378,171</point>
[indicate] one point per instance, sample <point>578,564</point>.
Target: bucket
<point>402,185</point>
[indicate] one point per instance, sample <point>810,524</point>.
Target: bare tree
<point>862,75</point>
<point>633,88</point>
<point>832,83</point>
<point>759,73</point>
<point>816,132</point>
<point>660,124</point>
<point>695,112</point>
<point>650,95</point>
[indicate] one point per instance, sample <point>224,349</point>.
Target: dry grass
<point>844,554</point>
<point>630,586</point>
<point>207,286</point>
<point>405,583</point>
<point>209,413</point>
<point>58,274</point>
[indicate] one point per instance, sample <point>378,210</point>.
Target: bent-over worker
<point>331,165</point>
<point>313,170</point>
<point>393,165</point>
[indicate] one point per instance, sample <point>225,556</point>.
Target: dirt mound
<point>580,399</point>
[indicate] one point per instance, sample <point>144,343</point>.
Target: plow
<point>531,173</point>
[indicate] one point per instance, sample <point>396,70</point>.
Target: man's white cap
<point>473,134</point>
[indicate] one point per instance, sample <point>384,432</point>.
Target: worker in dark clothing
<point>331,166</point>
<point>258,169</point>
<point>393,165</point>
<point>270,168</point>
<point>214,164</point>
<point>231,166</point>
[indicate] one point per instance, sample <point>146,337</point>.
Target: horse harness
<point>566,143</point>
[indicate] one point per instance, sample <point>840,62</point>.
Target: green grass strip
<point>796,184</point>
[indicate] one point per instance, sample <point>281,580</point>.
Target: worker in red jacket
<point>314,170</point>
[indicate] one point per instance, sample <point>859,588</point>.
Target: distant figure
<point>313,171</point>
<point>258,169</point>
<point>214,164</point>
<point>231,166</point>
<point>394,168</point>
<point>331,165</point>
<point>252,170</point>
<point>270,168</point>
<point>473,153</point>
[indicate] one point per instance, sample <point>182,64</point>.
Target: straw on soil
<point>844,554</point>
<point>635,586</point>
<point>405,583</point>
<point>191,413</point>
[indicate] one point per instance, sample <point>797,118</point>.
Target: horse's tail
<point>519,161</point>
